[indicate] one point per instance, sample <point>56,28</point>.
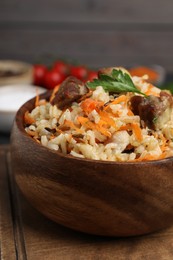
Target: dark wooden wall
<point>95,32</point>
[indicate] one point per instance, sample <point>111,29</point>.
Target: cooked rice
<point>111,138</point>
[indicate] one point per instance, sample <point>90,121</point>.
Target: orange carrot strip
<point>151,91</point>
<point>89,105</point>
<point>125,127</point>
<point>137,131</point>
<point>119,99</point>
<point>163,146</point>
<point>101,122</point>
<point>130,113</point>
<point>103,131</point>
<point>90,125</point>
<point>72,125</point>
<point>82,120</point>
<point>150,157</point>
<point>54,92</point>
<point>105,117</point>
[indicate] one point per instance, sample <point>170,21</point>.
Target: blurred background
<point>94,33</point>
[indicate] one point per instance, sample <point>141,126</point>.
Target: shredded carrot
<point>102,130</point>
<point>89,105</point>
<point>149,157</point>
<point>82,120</point>
<point>137,131</point>
<point>130,113</point>
<point>37,98</point>
<point>162,156</point>
<point>125,127</point>
<point>28,119</point>
<point>90,125</point>
<point>54,92</point>
<point>119,99</point>
<point>110,111</point>
<point>151,91</point>
<point>101,123</point>
<point>105,117</point>
<point>72,125</point>
<point>163,146</point>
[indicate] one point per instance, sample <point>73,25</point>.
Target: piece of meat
<point>151,108</point>
<point>70,90</point>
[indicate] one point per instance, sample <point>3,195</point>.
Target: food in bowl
<point>117,117</point>
<point>101,197</point>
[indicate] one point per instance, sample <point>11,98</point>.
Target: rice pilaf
<point>105,126</point>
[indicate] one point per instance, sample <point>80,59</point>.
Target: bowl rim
<point>11,63</point>
<point>46,95</point>
<point>25,70</point>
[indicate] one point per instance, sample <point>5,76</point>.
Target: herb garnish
<point>118,82</point>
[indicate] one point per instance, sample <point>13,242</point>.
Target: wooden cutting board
<point>26,234</point>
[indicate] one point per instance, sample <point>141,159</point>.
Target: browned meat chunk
<point>71,89</point>
<point>153,110</point>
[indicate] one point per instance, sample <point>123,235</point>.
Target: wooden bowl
<point>15,72</point>
<point>96,197</point>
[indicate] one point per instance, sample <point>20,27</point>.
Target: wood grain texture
<point>6,220</point>
<point>87,11</point>
<point>97,197</point>
<point>47,240</point>
<point>95,48</point>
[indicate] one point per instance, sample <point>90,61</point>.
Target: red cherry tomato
<point>53,78</point>
<point>39,72</point>
<point>92,75</point>
<point>80,72</point>
<point>61,67</point>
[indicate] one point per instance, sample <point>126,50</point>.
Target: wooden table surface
<point>26,234</point>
